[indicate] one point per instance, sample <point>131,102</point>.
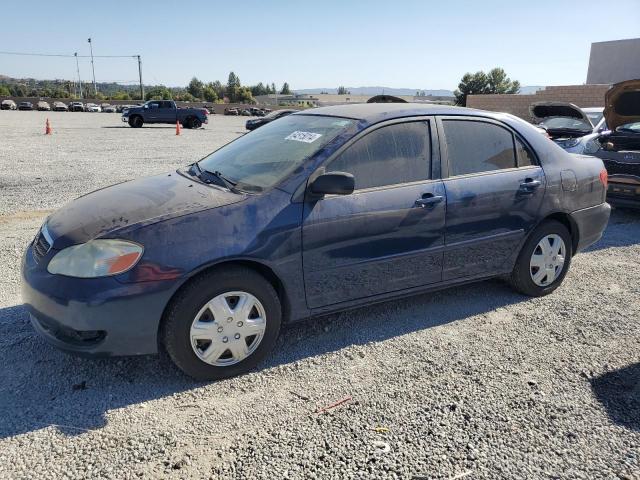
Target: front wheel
<point>222,324</point>
<point>544,260</point>
<point>136,122</point>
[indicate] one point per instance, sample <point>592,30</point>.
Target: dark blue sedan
<point>316,212</point>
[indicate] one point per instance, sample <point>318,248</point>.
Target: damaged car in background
<point>619,147</point>
<point>574,129</point>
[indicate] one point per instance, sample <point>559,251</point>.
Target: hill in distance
<point>524,90</point>
<point>378,91</point>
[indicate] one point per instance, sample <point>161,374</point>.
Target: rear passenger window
<point>475,147</point>
<point>390,155</point>
<point>525,157</point>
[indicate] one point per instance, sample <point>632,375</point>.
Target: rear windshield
<point>260,159</point>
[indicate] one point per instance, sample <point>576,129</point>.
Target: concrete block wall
<point>581,95</point>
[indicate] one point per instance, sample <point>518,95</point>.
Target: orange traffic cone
<point>47,128</point>
<point>177,127</point>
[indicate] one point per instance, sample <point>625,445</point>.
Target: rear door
<point>389,234</point>
<point>494,187</point>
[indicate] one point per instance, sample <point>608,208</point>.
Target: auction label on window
<point>306,137</point>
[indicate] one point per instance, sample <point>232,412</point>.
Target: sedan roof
<point>377,112</point>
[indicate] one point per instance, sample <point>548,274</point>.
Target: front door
<point>386,236</point>
<point>494,192</point>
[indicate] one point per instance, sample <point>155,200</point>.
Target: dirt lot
<point>475,382</point>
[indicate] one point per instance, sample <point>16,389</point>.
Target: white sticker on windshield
<point>306,137</point>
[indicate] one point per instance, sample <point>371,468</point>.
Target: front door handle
<point>428,200</point>
<point>529,186</point>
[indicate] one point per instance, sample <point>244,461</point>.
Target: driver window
<point>395,154</point>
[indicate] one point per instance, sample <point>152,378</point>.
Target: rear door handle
<point>428,200</point>
<point>529,185</point>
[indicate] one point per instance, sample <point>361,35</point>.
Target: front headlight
<point>592,146</point>
<point>96,258</point>
<point>569,143</point>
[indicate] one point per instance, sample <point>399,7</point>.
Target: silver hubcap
<point>228,328</point>
<point>547,260</point>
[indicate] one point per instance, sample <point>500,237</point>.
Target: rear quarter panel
<point>572,181</point>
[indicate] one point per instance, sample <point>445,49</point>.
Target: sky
<point>412,43</point>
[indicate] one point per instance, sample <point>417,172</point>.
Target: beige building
<point>327,99</point>
<point>614,61</point>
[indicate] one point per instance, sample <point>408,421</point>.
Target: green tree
<point>218,88</point>
<point>498,82</point>
<point>4,91</point>
<point>343,91</point>
<point>121,96</point>
<point>195,88</point>
<point>158,93</point>
<point>285,89</point>
<point>209,93</point>
<point>273,88</point>
<point>480,83</point>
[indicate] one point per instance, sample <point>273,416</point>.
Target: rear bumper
<point>96,317</point>
<point>591,223</point>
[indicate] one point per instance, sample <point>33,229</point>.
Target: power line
<point>64,55</point>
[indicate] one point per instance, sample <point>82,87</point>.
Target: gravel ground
<point>474,382</point>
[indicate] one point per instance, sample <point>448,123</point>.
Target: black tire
<point>521,279</point>
<point>136,121</point>
<point>179,316</point>
<point>195,123</point>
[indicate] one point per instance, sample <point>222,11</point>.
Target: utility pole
<point>140,73</point>
<point>78,69</point>
<point>95,87</point>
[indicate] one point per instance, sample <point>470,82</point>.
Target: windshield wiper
<point>206,176</point>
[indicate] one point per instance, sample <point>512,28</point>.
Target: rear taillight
<point>604,177</point>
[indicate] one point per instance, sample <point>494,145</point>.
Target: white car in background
<point>574,129</point>
<point>92,107</point>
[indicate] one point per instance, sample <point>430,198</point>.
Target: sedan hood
<point>541,111</point>
<point>622,104</point>
<point>138,202</point>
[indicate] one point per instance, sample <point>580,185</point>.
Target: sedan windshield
<point>260,159</point>
<point>567,123</point>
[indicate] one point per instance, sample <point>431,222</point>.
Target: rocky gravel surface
<point>476,382</point>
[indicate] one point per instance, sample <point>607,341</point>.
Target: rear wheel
<point>222,324</point>
<point>136,121</point>
<point>544,260</point>
<point>196,123</point>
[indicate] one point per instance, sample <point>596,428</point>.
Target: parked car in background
<point>25,106</point>
<point>258,122</point>
<point>257,112</point>
<point>76,107</point>
<point>574,129</point>
<point>231,111</point>
<point>620,144</point>
<point>321,211</point>
<point>43,106</point>
<point>164,111</point>
<point>107,107</point>
<point>59,107</point>
<point>8,105</point>
<point>92,107</point>
<point>245,113</point>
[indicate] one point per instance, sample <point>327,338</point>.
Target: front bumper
<point>98,316</point>
<point>591,223</point>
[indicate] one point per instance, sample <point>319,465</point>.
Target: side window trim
<point>444,155</point>
<point>430,128</point>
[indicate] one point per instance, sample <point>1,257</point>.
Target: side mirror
<point>333,183</point>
